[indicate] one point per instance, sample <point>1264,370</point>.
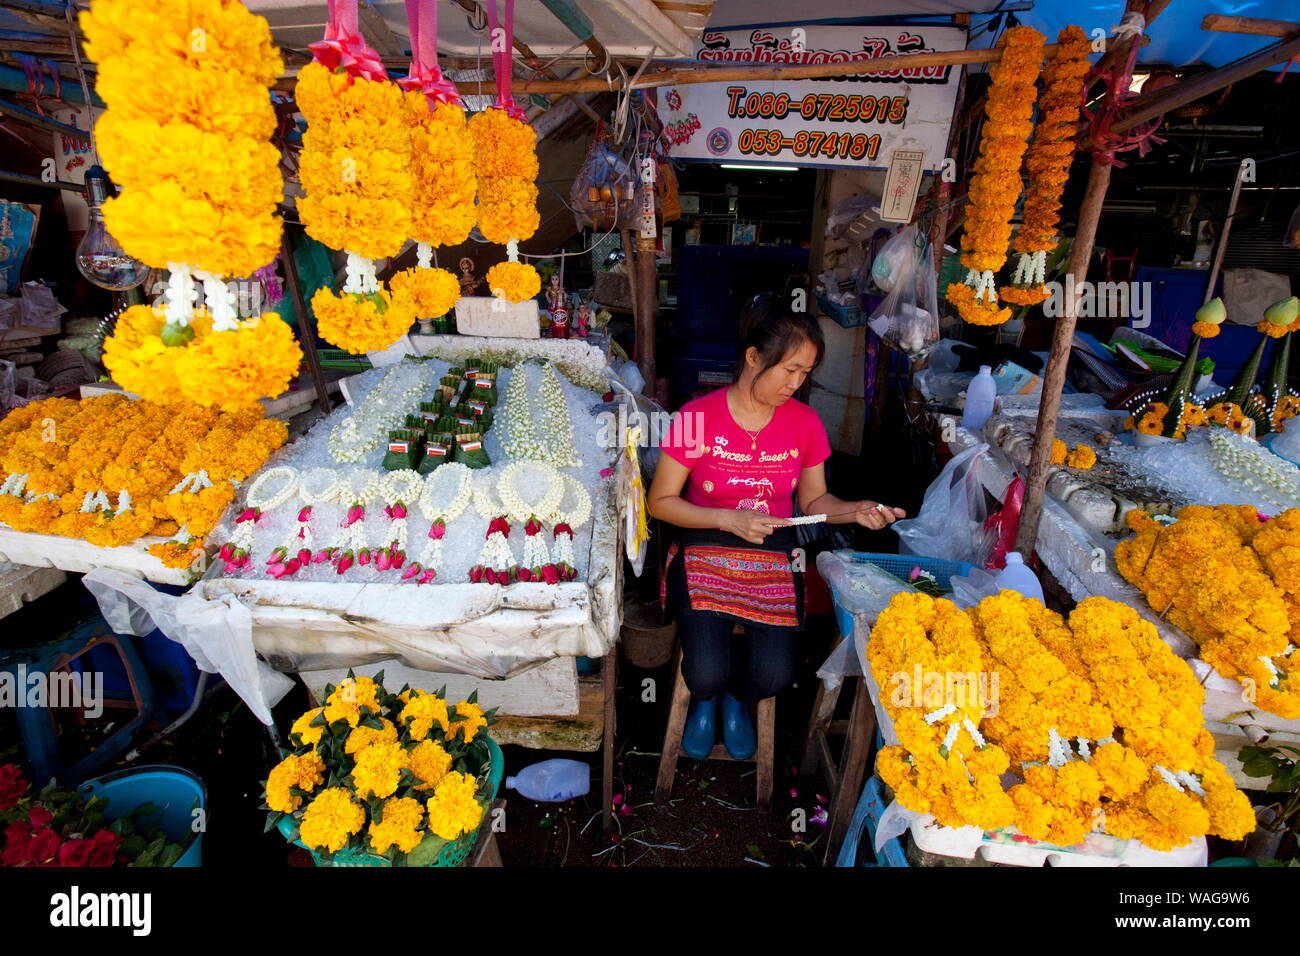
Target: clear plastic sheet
<point>217,634</point>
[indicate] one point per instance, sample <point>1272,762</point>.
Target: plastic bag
<point>908,317</point>
<point>950,524</point>
<point>603,195</point>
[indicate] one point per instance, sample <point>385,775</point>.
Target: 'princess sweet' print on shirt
<point>731,469</point>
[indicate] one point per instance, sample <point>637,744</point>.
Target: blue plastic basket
<point>866,818</point>
<point>175,791</point>
<point>900,566</point>
<point>848,316</point>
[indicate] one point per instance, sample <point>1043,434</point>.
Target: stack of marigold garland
<point>356,172</point>
<point>1096,715</point>
<point>1231,580</point>
<point>186,137</point>
<point>505,165</point>
<point>110,470</point>
<point>395,775</point>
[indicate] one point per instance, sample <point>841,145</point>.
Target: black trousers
<point>757,664</point>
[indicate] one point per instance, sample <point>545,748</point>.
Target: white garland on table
<point>583,364</point>
<point>575,516</point>
<point>447,493</point>
<point>518,508</point>
<point>400,490</point>
<point>555,425</point>
<point>359,488</point>
<point>486,502</point>
<point>262,497</point>
<point>520,438</point>
<point>1245,461</point>
<point>317,486</point>
<point>496,554</point>
<point>382,409</point>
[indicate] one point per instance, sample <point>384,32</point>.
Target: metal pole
<point>1222,247</point>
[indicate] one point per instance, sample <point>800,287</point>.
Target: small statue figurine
<point>555,294</point>
<point>584,318</point>
<point>468,281</point>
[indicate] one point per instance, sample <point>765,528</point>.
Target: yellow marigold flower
<point>514,281</point>
<point>306,734</point>
<point>1059,449</point>
<point>362,736</point>
<point>421,712</point>
<point>360,324</point>
<point>330,819</point>
<point>305,773</point>
<point>472,722</point>
<point>1081,457</point>
<point>431,292</point>
<point>349,698</point>
<point>430,762</point>
<point>399,826</point>
<point>452,809</point>
<point>377,769</point>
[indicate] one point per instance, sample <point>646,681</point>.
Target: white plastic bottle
<point>1017,576</point>
<point>552,781</point>
<point>979,400</point>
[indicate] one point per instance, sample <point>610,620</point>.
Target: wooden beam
<point>39,121</point>
<point>1252,26</point>
<point>1149,107</point>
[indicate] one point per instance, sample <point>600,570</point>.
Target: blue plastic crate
<point>900,566</point>
<point>848,316</point>
<point>866,818</point>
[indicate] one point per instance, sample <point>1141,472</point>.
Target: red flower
<point>304,515</point>
<point>103,848</point>
<point>498,524</point>
<point>12,785</point>
<point>39,817</point>
<point>563,528</point>
<point>18,840</point>
<point>44,844</point>
<point>550,574</point>
<point>75,853</point>
<point>532,527</point>
<point>437,529</point>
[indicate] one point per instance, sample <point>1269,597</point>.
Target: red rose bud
<point>226,551</point>
<point>399,558</point>
<point>532,527</point>
<point>277,556</point>
<point>305,514</point>
<point>345,562</point>
<point>411,571</point>
<point>551,574</point>
<point>428,576</point>
<point>498,524</point>
<point>525,574</point>
<point>607,397</point>
<point>563,528</point>
<point>304,556</point>
<point>293,566</point>
<point>437,529</point>
<point>476,574</point>
<point>248,514</point>
<point>382,561</point>
<point>355,513</point>
<point>364,557</point>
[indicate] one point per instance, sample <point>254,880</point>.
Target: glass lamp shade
<point>102,261</point>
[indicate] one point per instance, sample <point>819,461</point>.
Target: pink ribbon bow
<point>344,47</point>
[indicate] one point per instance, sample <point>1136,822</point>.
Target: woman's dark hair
<point>774,330</point>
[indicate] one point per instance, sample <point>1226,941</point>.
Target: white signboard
<point>857,120</point>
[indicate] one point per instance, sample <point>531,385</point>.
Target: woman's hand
<point>753,526</point>
<point>876,516</point>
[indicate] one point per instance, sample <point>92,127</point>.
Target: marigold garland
<point>514,281</point>
<point>361,323</point>
<point>1048,162</point>
<point>170,466</point>
<point>186,131</point>
<point>442,153</point>
<point>996,184</point>
<point>1096,715</point>
<point>1225,578</point>
<point>1273,331</point>
<point>427,293</point>
<point>410,767</point>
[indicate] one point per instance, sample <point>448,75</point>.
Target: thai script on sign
<point>767,47</point>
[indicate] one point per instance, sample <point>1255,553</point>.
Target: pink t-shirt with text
<point>726,472</point>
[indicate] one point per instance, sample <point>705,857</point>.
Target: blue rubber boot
<point>701,731</point>
<point>738,728</point>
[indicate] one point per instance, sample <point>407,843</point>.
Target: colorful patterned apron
<point>719,572</point>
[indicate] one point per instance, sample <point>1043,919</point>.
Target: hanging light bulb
<point>99,258</point>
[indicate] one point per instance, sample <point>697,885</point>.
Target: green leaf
<point>170,854</point>
<point>1258,761</point>
<point>96,804</point>
<point>272,821</point>
<point>379,677</point>
<point>143,809</point>
<point>133,845</point>
<point>753,850</point>
<point>427,851</point>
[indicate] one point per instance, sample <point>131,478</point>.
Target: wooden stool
<point>672,748</point>
<point>846,776</point>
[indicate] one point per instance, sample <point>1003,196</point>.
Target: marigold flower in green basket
<point>330,819</point>
<point>378,769</point>
<point>401,817</point>
<point>452,809</point>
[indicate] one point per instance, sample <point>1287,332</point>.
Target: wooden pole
<point>1062,340</point>
<point>306,334</point>
<point>1253,26</point>
<point>1222,246</point>
<point>647,295</point>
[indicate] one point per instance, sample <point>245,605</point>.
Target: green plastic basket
<point>453,854</point>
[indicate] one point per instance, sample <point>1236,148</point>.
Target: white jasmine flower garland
<point>447,493</point>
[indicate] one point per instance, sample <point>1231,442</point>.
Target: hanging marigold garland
<point>186,137</point>
<point>442,206</point>
<point>1048,162</point>
<point>356,171</point>
<point>996,184</point>
<point>505,166</point>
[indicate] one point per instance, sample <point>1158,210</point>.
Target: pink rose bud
<point>606,472</point>
<point>382,561</point>
<point>226,551</point>
<point>355,513</point>
<point>437,530</point>
<point>321,556</point>
<point>305,514</point>
<point>345,562</point>
<point>399,558</point>
<point>428,576</point>
<point>304,556</point>
<point>249,514</point>
<point>277,556</point>
<point>364,557</point>
<point>411,571</point>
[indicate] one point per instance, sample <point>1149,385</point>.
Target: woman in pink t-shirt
<point>731,466</point>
